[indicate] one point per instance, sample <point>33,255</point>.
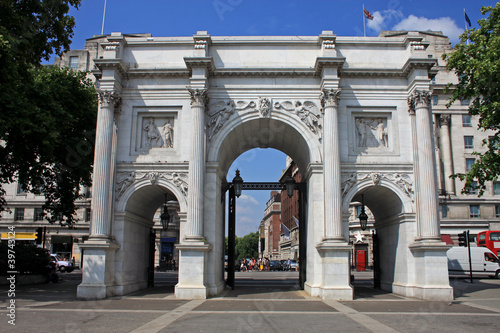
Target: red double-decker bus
<point>490,239</point>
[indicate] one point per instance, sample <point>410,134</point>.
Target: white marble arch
<point>395,224</point>
<point>241,134</point>
<point>133,219</point>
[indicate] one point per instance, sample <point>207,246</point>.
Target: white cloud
<point>382,19</point>
<point>444,24</point>
<point>247,199</point>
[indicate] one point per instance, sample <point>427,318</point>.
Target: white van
<point>484,262</point>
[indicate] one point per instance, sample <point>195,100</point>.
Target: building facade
<point>355,114</point>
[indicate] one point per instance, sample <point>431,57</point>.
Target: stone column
<point>103,166</point>
<point>331,171</point>
<point>419,102</point>
<point>199,100</point>
<point>99,250</point>
<point>447,157</point>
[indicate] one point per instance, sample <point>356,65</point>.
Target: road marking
<point>368,322</point>
<point>482,307</point>
<point>168,318</point>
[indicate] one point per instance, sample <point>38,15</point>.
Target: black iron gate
<point>301,187</point>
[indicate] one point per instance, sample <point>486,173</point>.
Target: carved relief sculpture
<point>371,132</point>
<point>126,179</point>
<point>168,135</point>
<point>218,114</point>
<point>265,107</point>
<point>307,112</point>
<point>152,134</point>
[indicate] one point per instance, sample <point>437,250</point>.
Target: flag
<point>467,19</point>
<point>296,221</point>
<point>286,231</point>
<point>367,14</point>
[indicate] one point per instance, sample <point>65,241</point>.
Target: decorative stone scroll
<point>221,111</point>
<point>307,112</point>
<point>125,179</point>
<point>402,180</point>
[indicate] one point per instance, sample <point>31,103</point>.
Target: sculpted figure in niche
<point>168,135</point>
<point>381,132</point>
<point>371,135</point>
<point>361,129</point>
<point>153,135</point>
<point>308,117</point>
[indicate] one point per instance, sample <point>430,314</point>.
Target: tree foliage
<point>47,115</point>
<point>476,62</point>
<point>247,246</point>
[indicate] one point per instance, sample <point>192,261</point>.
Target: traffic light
<point>462,239</point>
<point>39,235</point>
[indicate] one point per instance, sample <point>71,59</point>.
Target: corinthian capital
<point>329,97</point>
<point>109,98</point>
<point>445,119</point>
<point>198,97</point>
<point>419,98</point>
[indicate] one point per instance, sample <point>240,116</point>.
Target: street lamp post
<point>165,216</point>
<point>363,218</point>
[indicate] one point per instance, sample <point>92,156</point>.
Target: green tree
<point>47,115</point>
<point>476,62</point>
<point>247,246</point>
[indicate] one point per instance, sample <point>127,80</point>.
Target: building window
<point>473,188</point>
<point>497,211</point>
<point>38,216</point>
<point>496,188</point>
<point>434,100</point>
<point>444,211</point>
<point>19,214</point>
<point>468,164</point>
<point>464,102</point>
<point>474,211</point>
<point>20,189</point>
<point>73,62</point>
<point>466,120</point>
<point>469,142</point>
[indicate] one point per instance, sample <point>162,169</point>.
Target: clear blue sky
<point>271,17</point>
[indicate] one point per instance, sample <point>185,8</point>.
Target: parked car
<point>275,265</point>
<point>61,264</point>
<point>293,265</point>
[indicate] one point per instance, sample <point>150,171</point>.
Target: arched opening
<point>258,133</point>
<point>147,247</point>
<point>386,238</point>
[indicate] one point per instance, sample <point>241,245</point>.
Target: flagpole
<point>103,17</point>
<point>364,21</point>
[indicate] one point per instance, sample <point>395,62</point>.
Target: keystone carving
<point>126,179</point>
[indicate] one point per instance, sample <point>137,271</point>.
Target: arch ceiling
<point>144,202</point>
<point>264,133</point>
<point>382,201</point>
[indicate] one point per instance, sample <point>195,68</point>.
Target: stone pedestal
<point>98,269</point>
<point>192,270</point>
<point>336,270</point>
<point>431,269</point>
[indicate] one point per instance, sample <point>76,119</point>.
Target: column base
<point>192,270</point>
<point>98,269</point>
<point>336,270</point>
<point>431,271</point>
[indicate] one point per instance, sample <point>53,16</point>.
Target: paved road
<point>261,302</point>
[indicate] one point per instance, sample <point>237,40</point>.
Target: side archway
<point>395,226</point>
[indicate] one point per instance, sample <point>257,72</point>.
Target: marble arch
<point>340,106</point>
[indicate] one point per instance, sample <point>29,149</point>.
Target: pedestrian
<point>288,265</point>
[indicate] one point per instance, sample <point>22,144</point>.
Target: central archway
<point>287,135</point>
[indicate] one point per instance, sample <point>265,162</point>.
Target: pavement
<point>260,302</point>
